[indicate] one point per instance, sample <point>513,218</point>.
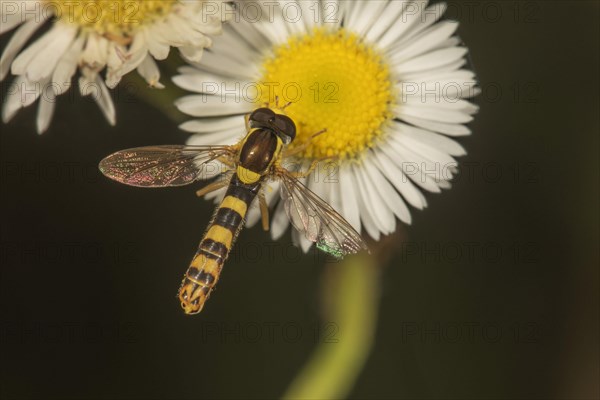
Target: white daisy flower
<point>95,35</point>
<point>385,78</point>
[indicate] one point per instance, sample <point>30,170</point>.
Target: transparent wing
<point>160,166</point>
<point>317,220</point>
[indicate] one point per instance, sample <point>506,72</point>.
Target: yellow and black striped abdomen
<point>204,271</point>
<point>259,150</point>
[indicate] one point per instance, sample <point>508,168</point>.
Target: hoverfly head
<point>261,118</point>
<point>281,124</point>
<point>285,128</point>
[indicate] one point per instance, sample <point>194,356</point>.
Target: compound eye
<point>262,116</point>
<point>286,127</point>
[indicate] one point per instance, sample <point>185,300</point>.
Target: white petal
<point>234,46</point>
<point>66,67</point>
<point>299,238</point>
<point>430,159</point>
<point>192,54</point>
<point>19,65</point>
<point>307,15</point>
<point>363,206</point>
<point>212,106</point>
<point>13,101</point>
<point>137,52</point>
<point>430,61</point>
<point>451,85</point>
<point>247,34</point>
<point>23,94</point>
<point>225,137</point>
<point>95,87</point>
<point>11,16</point>
<point>427,18</point>
<point>150,72</point>
<point>408,77</point>
<point>335,198</point>
<point>13,13</point>
<point>450,42</point>
<point>95,52</point>
<point>435,162</point>
<point>410,17</point>
<point>206,125</point>
<point>389,16</point>
<point>115,57</point>
<point>380,213</point>
<point>274,29</point>
<point>433,113</point>
<point>410,164</point>
<point>365,15</point>
<point>400,181</point>
<point>271,194</point>
<point>44,116</point>
<point>31,91</point>
<point>300,241</point>
<point>204,82</point>
<point>221,64</point>
<point>43,64</point>
<point>16,43</point>
<point>216,196</point>
<point>386,192</point>
<point>436,126</point>
<point>432,139</point>
<point>424,42</point>
<point>204,25</point>
<point>440,102</point>
<point>156,46</point>
<point>279,221</point>
<point>253,214</point>
<point>348,197</point>
<point>444,184</point>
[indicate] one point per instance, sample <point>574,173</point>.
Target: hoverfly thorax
<point>269,133</point>
<point>259,150</point>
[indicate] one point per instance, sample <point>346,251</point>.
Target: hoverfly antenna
<point>322,131</point>
<point>286,105</point>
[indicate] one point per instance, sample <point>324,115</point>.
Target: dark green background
<point>100,320</point>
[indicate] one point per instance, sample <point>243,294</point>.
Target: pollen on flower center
<point>119,18</point>
<point>335,82</point>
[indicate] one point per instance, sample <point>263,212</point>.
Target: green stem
<point>351,301</point>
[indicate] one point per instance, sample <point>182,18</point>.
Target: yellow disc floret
<point>116,18</point>
<point>335,82</point>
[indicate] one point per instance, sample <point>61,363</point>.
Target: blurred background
<point>491,293</point>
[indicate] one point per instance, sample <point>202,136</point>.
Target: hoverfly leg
<point>301,147</point>
<point>221,183</point>
<point>322,131</point>
<point>227,161</point>
<point>300,174</point>
<point>264,210</point>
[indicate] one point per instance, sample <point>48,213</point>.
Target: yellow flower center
<point>335,82</point>
<point>113,18</point>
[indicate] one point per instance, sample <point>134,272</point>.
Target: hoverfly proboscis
<point>252,161</point>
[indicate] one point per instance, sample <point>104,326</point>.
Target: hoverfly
<point>251,162</point>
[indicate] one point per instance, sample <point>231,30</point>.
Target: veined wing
<point>160,166</point>
<point>317,220</point>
